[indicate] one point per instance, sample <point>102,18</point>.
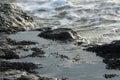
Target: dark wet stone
<point>112,63</point>
<point>107,76</point>
<point>45,78</point>
<point>62,34</point>
<point>13,42</point>
<point>111,50</point>
<point>6,79</point>
<point>23,66</point>
<point>37,52</point>
<point>13,19</point>
<point>25,78</point>
<point>8,54</point>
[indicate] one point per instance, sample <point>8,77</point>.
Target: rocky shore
<point>110,53</point>
<point>13,20</point>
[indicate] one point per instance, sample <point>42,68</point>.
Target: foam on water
<point>42,5</point>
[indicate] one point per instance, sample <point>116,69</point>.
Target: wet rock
<point>45,78</point>
<point>33,77</point>
<point>61,34</point>
<point>26,77</point>
<point>111,50</point>
<point>112,63</point>
<point>24,48</point>
<point>13,42</point>
<point>37,52</point>
<point>8,54</point>
<point>23,66</point>
<point>13,19</point>
<point>107,76</point>
<point>18,75</point>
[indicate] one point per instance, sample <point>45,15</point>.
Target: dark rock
<point>45,78</point>
<point>111,50</point>
<point>62,34</point>
<point>25,78</point>
<point>6,79</point>
<point>13,42</point>
<point>18,75</point>
<point>107,76</point>
<point>110,53</point>
<point>37,52</point>
<point>33,77</point>
<point>23,66</point>
<point>112,63</point>
<point>8,54</point>
<point>43,29</point>
<point>13,19</point>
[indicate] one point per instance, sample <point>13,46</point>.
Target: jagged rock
<point>110,53</point>
<point>61,34</point>
<point>13,19</point>
<point>18,75</point>
<point>23,66</point>
<point>8,54</point>
<point>26,78</point>
<point>37,52</point>
<point>13,42</point>
<point>111,50</point>
<point>107,76</point>
<point>112,63</point>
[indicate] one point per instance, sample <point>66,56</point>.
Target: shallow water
<point>95,20</point>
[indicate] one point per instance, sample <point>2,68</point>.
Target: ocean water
<point>96,20</point>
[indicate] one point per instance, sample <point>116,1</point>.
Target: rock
<point>26,78</point>
<point>23,66</point>
<point>37,52</point>
<point>61,34</point>
<point>8,54</point>
<point>18,75</point>
<point>13,19</point>
<point>13,42</point>
<point>111,50</point>
<point>112,63</point>
<point>110,53</point>
<point>107,76</point>
<point>46,78</point>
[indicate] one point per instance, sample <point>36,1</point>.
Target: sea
<point>96,20</point>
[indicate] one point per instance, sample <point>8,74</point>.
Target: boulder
<point>8,54</point>
<point>22,66</point>
<point>110,53</point>
<point>111,50</point>
<point>13,42</point>
<point>13,19</point>
<point>61,34</point>
<point>37,52</point>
